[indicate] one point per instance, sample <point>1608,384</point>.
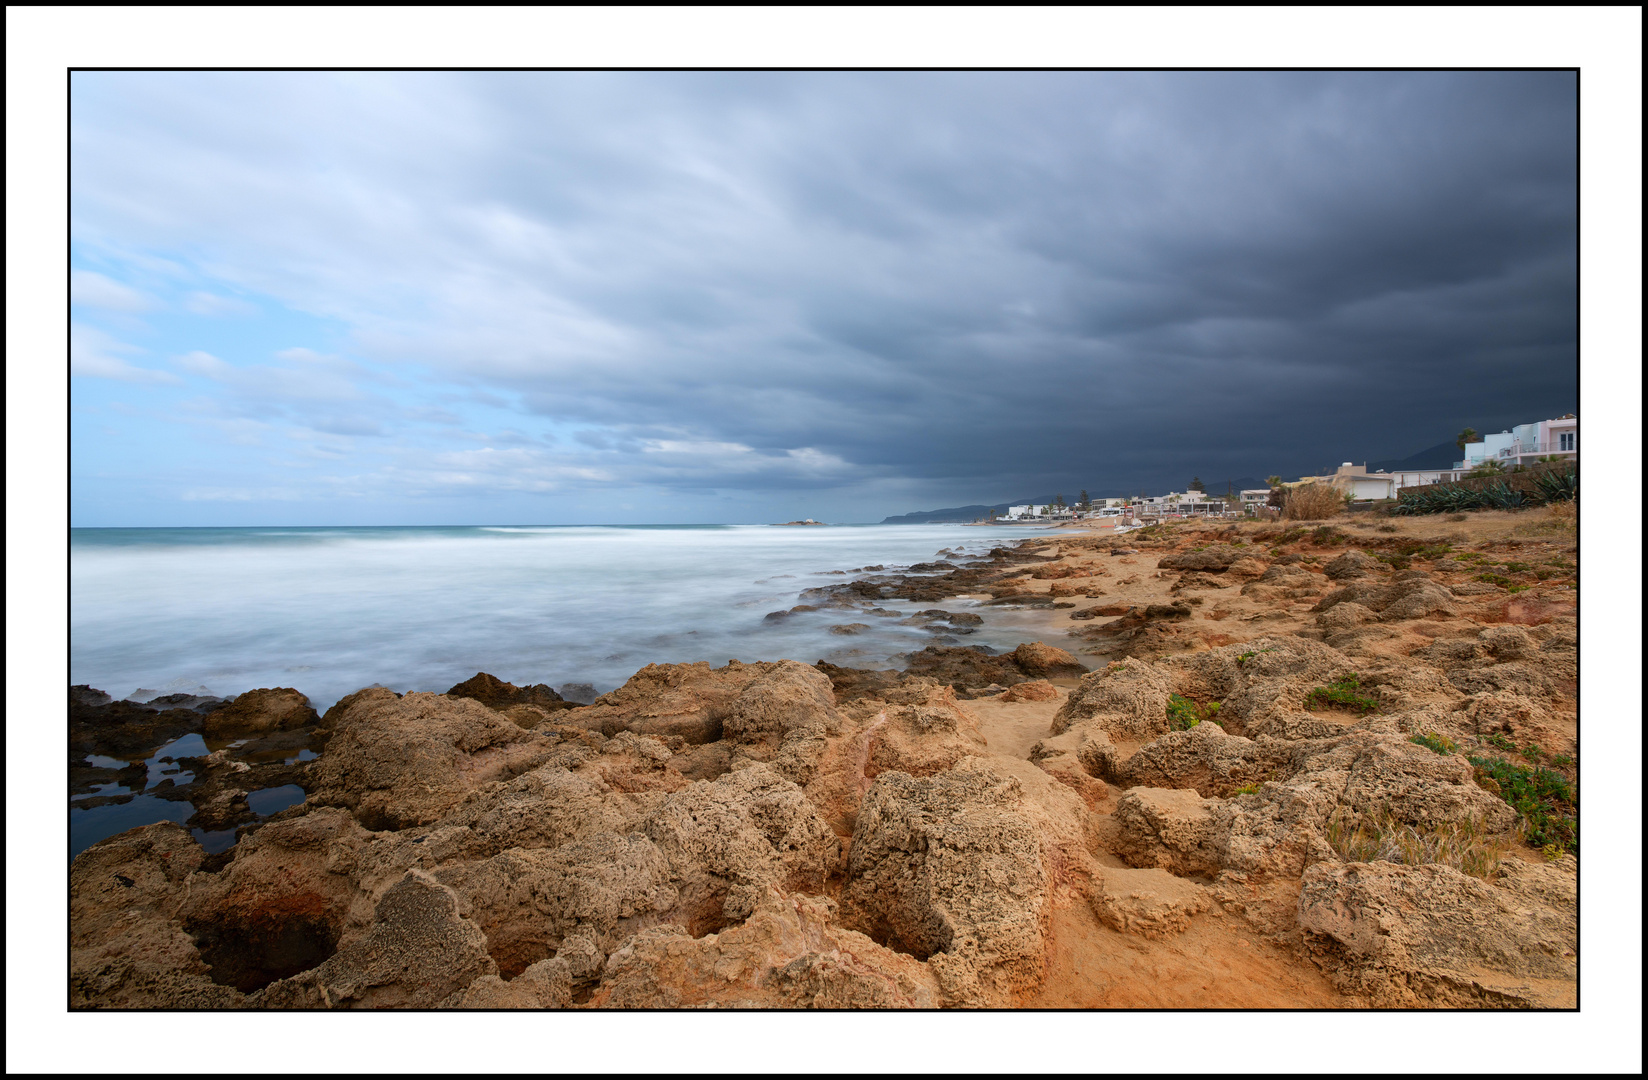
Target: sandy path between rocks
<point>1219,963</point>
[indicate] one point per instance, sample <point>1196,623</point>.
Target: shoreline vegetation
<point>1233,765</point>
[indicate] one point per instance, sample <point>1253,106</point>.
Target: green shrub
<point>1184,714</point>
<point>1342,693</point>
<point>1247,789</point>
<point>1494,579</point>
<point>1500,741</point>
<point>1441,744</point>
<point>1544,798</point>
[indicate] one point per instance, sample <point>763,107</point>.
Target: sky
<point>582,297</point>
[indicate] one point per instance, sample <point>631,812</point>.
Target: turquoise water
<point>330,610</point>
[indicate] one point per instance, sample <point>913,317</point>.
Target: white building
<point>1525,444</point>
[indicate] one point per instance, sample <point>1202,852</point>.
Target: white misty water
<point>329,611</point>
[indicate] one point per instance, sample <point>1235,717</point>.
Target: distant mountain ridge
<point>1440,456</point>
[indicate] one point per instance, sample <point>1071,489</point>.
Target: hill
<point>1440,456</point>
<point>954,513</point>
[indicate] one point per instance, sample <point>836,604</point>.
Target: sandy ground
<point>1221,961</point>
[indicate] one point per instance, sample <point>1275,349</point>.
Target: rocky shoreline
<point>1253,777</point>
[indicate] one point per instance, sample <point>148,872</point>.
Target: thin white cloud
<point>203,363</point>
<point>94,354</point>
<point>213,306</point>
<point>87,288</point>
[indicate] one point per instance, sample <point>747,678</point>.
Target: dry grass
<point>1463,845</point>
<point>1313,502</point>
<point>1554,519</point>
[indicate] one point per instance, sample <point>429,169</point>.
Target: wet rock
<point>849,628</point>
<point>122,729</point>
<point>850,684</point>
<point>261,712</point>
<point>965,666</point>
<point>579,693</point>
<point>1045,662</point>
<point>494,693</point>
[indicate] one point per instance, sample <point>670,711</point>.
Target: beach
<point>1136,795</point>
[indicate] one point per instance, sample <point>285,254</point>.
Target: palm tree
<point>1467,436</point>
<point>1273,481</point>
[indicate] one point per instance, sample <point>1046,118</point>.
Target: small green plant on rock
<point>1543,797</point>
<point>1500,741</point>
<point>1494,579</point>
<point>1441,744</point>
<point>1247,789</point>
<point>1251,653</point>
<point>1344,694</point>
<point>1184,714</point>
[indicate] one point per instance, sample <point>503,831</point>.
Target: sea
<point>331,610</point>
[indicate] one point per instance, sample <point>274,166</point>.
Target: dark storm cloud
<point>993,283</point>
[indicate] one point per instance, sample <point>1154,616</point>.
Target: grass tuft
<point>1380,837</point>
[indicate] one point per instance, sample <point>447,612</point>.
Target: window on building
<point>1565,441</point>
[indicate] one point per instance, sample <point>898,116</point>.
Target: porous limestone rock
<point>395,762</point>
<point>1430,936</point>
<point>1150,903</point>
<point>1125,700</point>
<point>784,717</point>
<point>1353,564</point>
<point>1035,690</point>
<point>948,869</point>
<point>125,949</point>
<point>727,840</point>
<point>1216,557</point>
<point>545,985</point>
<point>787,954</point>
<point>527,901</point>
<point>1205,759</point>
<point>546,807</point>
<point>418,952</point>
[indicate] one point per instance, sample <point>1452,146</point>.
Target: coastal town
<point>1511,450</point>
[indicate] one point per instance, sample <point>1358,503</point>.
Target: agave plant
<point>1557,487</point>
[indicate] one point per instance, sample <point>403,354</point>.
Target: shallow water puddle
<point>273,800</point>
<point>87,827</point>
<point>163,762</point>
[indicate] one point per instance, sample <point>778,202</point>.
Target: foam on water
<point>330,610</point>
